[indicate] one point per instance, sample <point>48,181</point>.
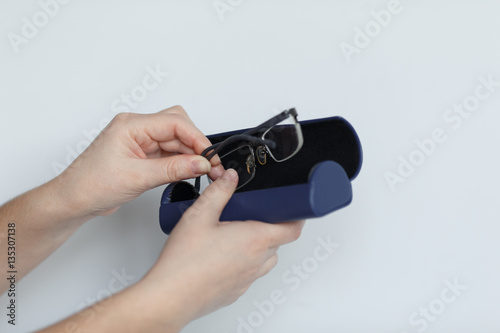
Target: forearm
<point>41,221</point>
<point>139,308</point>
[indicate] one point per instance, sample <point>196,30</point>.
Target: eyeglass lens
<point>288,138</point>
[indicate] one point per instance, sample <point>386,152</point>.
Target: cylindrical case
<point>327,190</point>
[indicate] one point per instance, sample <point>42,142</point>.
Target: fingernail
<point>231,175</point>
<point>201,166</point>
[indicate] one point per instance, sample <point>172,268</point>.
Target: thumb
<point>175,168</point>
<point>211,203</point>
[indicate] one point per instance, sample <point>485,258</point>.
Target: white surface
<point>397,249</point>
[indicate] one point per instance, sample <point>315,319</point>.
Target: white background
<point>397,248</point>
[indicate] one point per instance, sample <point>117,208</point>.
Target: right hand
<point>207,264</point>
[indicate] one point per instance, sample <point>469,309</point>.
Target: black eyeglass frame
<point>250,137</point>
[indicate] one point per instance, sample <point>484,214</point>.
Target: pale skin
<point>205,264</point>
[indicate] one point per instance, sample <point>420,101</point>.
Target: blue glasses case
<point>313,183</point>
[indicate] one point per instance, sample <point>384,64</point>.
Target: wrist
<point>57,205</point>
<point>162,311</point>
<point>127,311</point>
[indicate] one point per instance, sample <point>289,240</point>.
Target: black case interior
<point>330,138</point>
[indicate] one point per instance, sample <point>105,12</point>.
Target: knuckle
<point>177,109</point>
<point>174,171</point>
<point>180,111</point>
<point>171,168</point>
<point>122,117</point>
<point>178,119</point>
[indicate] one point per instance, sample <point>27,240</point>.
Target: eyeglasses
<point>280,137</point>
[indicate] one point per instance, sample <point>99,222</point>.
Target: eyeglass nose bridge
<point>261,153</point>
<point>250,162</point>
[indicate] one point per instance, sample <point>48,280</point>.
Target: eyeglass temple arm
<point>265,125</point>
<point>273,121</point>
<point>239,137</point>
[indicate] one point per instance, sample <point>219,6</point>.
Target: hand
<point>207,264</point>
<point>133,154</point>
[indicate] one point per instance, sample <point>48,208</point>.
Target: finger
<point>217,171</point>
<point>177,109</point>
<point>283,233</point>
<point>212,201</point>
<point>180,111</point>
<point>166,170</point>
<point>216,161</point>
<point>169,148</point>
<point>268,265</point>
<point>273,250</point>
<point>165,127</point>
<point>176,146</point>
<point>161,149</point>
<point>162,153</point>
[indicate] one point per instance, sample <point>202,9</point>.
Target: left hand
<point>133,154</point>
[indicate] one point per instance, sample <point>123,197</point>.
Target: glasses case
<point>313,183</point>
